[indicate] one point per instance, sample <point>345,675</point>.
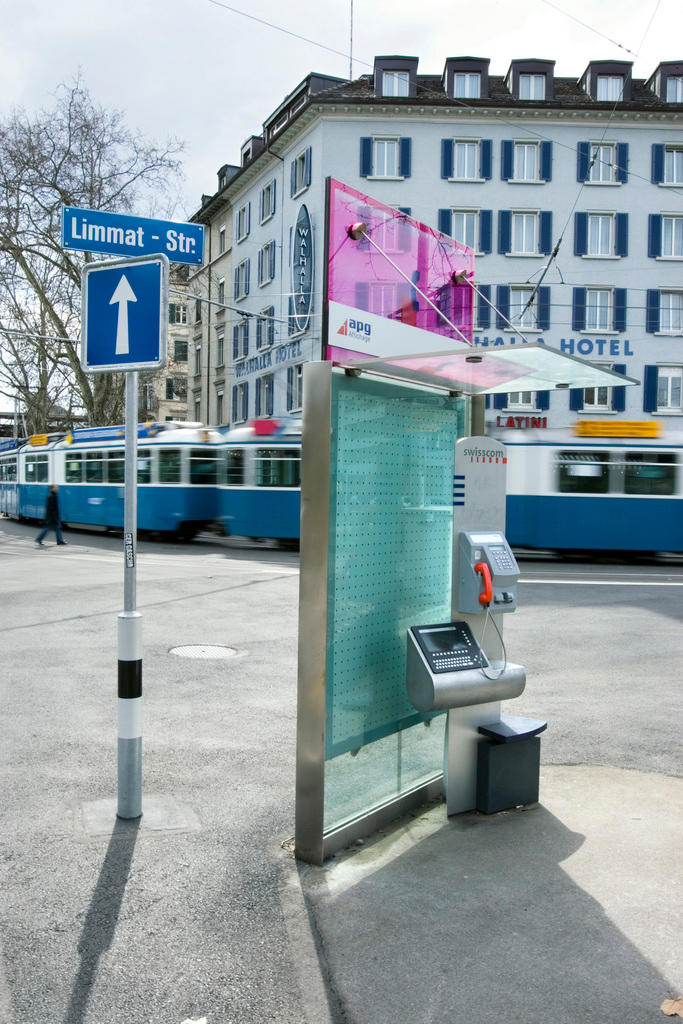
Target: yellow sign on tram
<point>618,428</point>
<point>37,440</point>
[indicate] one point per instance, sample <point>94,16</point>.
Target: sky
<point>201,72</point>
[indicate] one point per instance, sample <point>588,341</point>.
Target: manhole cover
<point>203,651</point>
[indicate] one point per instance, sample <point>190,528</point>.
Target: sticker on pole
<point>124,315</point>
<point>129,549</point>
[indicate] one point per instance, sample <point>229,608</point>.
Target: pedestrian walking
<point>52,521</point>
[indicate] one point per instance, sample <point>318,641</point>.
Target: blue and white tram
<point>178,468</point>
<point>260,496</point>
<point>594,493</point>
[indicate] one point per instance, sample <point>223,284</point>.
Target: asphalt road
<point>199,920</point>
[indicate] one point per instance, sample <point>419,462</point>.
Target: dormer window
<point>395,83</point>
<point>395,76</point>
<point>674,89</point>
<point>467,85</point>
<point>532,87</point>
<point>609,88</point>
<point>667,81</point>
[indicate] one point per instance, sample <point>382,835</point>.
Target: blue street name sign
<point>124,314</point>
<point>117,234</point>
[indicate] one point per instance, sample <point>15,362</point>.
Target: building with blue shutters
<point>570,191</point>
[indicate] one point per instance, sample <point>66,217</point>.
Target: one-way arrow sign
<point>124,317</point>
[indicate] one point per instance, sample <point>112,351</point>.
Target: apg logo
<point>355,329</point>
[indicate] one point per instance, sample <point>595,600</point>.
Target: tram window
<point>276,467</point>
<point>36,469</point>
<point>235,466</point>
<point>583,472</point>
<point>169,465</point>
<point>204,465</point>
<point>8,470</point>
<point>73,468</point>
<point>650,473</point>
<point>144,466</point>
<point>94,467</point>
<point>116,467</point>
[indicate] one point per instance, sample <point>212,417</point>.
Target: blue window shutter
<point>235,342</point>
<point>622,162</point>
<point>273,187</point>
<point>546,232</point>
<point>506,159</point>
<point>504,230</point>
<point>307,166</point>
<point>621,235</point>
<point>362,295</point>
<point>259,333</point>
<point>235,410</point>
<point>404,157</point>
<point>406,210</point>
<point>619,320</point>
<point>259,260</point>
<point>483,308</point>
<point>261,211</point>
<point>485,230</point>
<point>583,156</point>
<point>248,217</point>
<point>619,393</point>
<point>654,235</point>
<point>576,399</point>
<point>236,284</point>
<point>290,387</point>
<point>257,397</point>
<point>542,400</point>
<point>447,158</point>
<point>546,161</point>
<point>445,222</point>
<point>365,157</point>
<point>245,338</point>
<point>652,310</point>
<point>485,159</point>
<point>246,277</point>
<point>271,260</point>
<point>503,304</point>
<point>543,306</point>
<point>579,309</point>
<point>291,323</point>
<point>657,163</point>
<point>271,325</point>
<point>292,178</point>
<point>650,389</point>
<point>580,234</point>
<point>500,401</point>
<point>245,403</point>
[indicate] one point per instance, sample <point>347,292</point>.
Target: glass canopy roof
<point>484,371</point>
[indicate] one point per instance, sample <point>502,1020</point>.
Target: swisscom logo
<point>355,329</point>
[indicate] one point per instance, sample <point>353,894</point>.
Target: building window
<point>598,309</point>
<point>467,85</point>
<point>301,172</point>
<point>524,234</point>
<point>525,161</point>
<point>198,311</point>
<point>169,388</point>
<point>198,408</point>
<point>178,313</point>
<point>669,388</point>
<point>464,227</point>
<point>674,89</point>
<point>219,407</point>
<point>466,159</point>
<point>242,222</point>
<point>673,165</point>
<point>220,349</point>
<point>600,234</point>
<point>295,382</point>
<point>596,399</point>
<point>395,83</point>
<point>523,315</point>
<point>240,339</point>
<point>521,400</point>
<point>609,88</point>
<point>671,312</point>
<point>242,280</point>
<point>531,87</point>
<point>221,291</point>
<point>672,237</point>
<point>221,239</point>
<point>267,202</point>
<point>385,158</point>
<point>601,169</point>
<point>266,263</point>
<point>265,328</point>
<point>180,350</point>
<point>264,395</point>
<point>240,402</point>
<point>197,360</point>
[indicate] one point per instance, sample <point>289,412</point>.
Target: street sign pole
<point>124,325</point>
<point>129,766</point>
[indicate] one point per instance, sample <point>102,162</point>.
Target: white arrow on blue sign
<point>124,314</point>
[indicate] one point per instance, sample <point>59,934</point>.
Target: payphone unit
<point>488,573</point>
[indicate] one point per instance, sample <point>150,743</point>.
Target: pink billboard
<point>393,286</point>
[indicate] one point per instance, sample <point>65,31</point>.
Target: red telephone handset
<point>486,595</point>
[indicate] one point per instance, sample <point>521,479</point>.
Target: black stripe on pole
<point>130,679</point>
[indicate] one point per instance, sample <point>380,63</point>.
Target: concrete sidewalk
<point>567,911</point>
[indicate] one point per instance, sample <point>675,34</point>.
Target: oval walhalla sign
<point>302,269</point>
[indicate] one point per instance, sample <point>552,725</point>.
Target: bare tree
<point>76,154</point>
